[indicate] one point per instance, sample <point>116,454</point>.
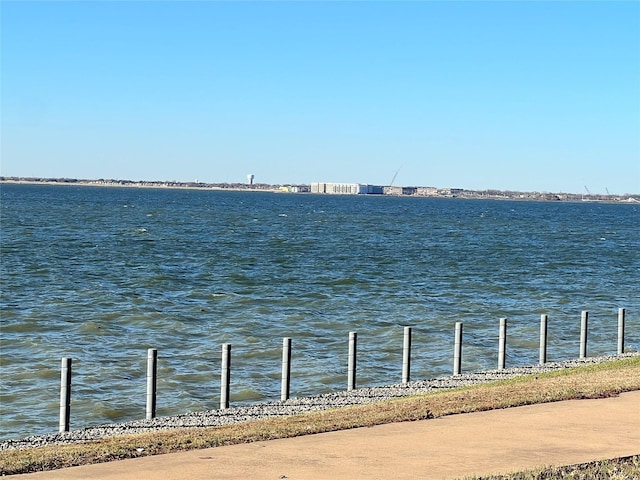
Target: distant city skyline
<point>512,96</point>
<point>331,188</point>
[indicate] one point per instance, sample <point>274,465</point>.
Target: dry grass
<point>625,468</point>
<point>596,381</point>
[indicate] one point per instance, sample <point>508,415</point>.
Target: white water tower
<point>250,179</point>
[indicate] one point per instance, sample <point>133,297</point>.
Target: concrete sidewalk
<point>497,441</point>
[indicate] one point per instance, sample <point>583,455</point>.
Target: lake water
<point>103,274</point>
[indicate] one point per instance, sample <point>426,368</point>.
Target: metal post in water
<point>502,344</point>
<point>406,355</point>
<point>65,394</point>
<point>457,349</point>
<point>225,376</point>
<point>583,333</point>
<point>286,368</point>
<point>351,370</point>
<point>152,382</point>
<point>621,314</point>
<point>543,338</point>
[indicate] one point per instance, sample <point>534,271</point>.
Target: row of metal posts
<point>225,374</point>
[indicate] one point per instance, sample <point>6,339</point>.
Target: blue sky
<point>536,96</point>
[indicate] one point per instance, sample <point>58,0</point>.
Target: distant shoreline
<point>140,184</point>
<point>304,188</point>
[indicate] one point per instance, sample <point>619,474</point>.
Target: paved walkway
<point>470,444</point>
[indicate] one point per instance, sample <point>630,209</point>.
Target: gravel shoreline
<point>211,418</point>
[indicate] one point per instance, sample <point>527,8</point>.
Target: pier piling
<point>502,344</point>
<point>65,394</point>
<point>457,349</point>
<point>152,382</point>
<point>584,321</point>
<point>351,368</point>
<point>285,391</point>
<point>406,355</point>
<point>286,369</point>
<point>543,338</point>
<point>621,315</point>
<point>225,376</point>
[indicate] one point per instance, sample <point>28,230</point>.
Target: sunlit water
<point>103,274</point>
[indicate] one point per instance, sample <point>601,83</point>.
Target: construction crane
<point>394,177</point>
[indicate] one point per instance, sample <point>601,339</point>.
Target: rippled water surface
<point>103,274</point>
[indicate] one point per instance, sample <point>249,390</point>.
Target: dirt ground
<point>497,441</point>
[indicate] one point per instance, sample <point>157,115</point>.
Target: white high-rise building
<point>339,188</point>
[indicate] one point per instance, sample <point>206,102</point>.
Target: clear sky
<point>535,96</point>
